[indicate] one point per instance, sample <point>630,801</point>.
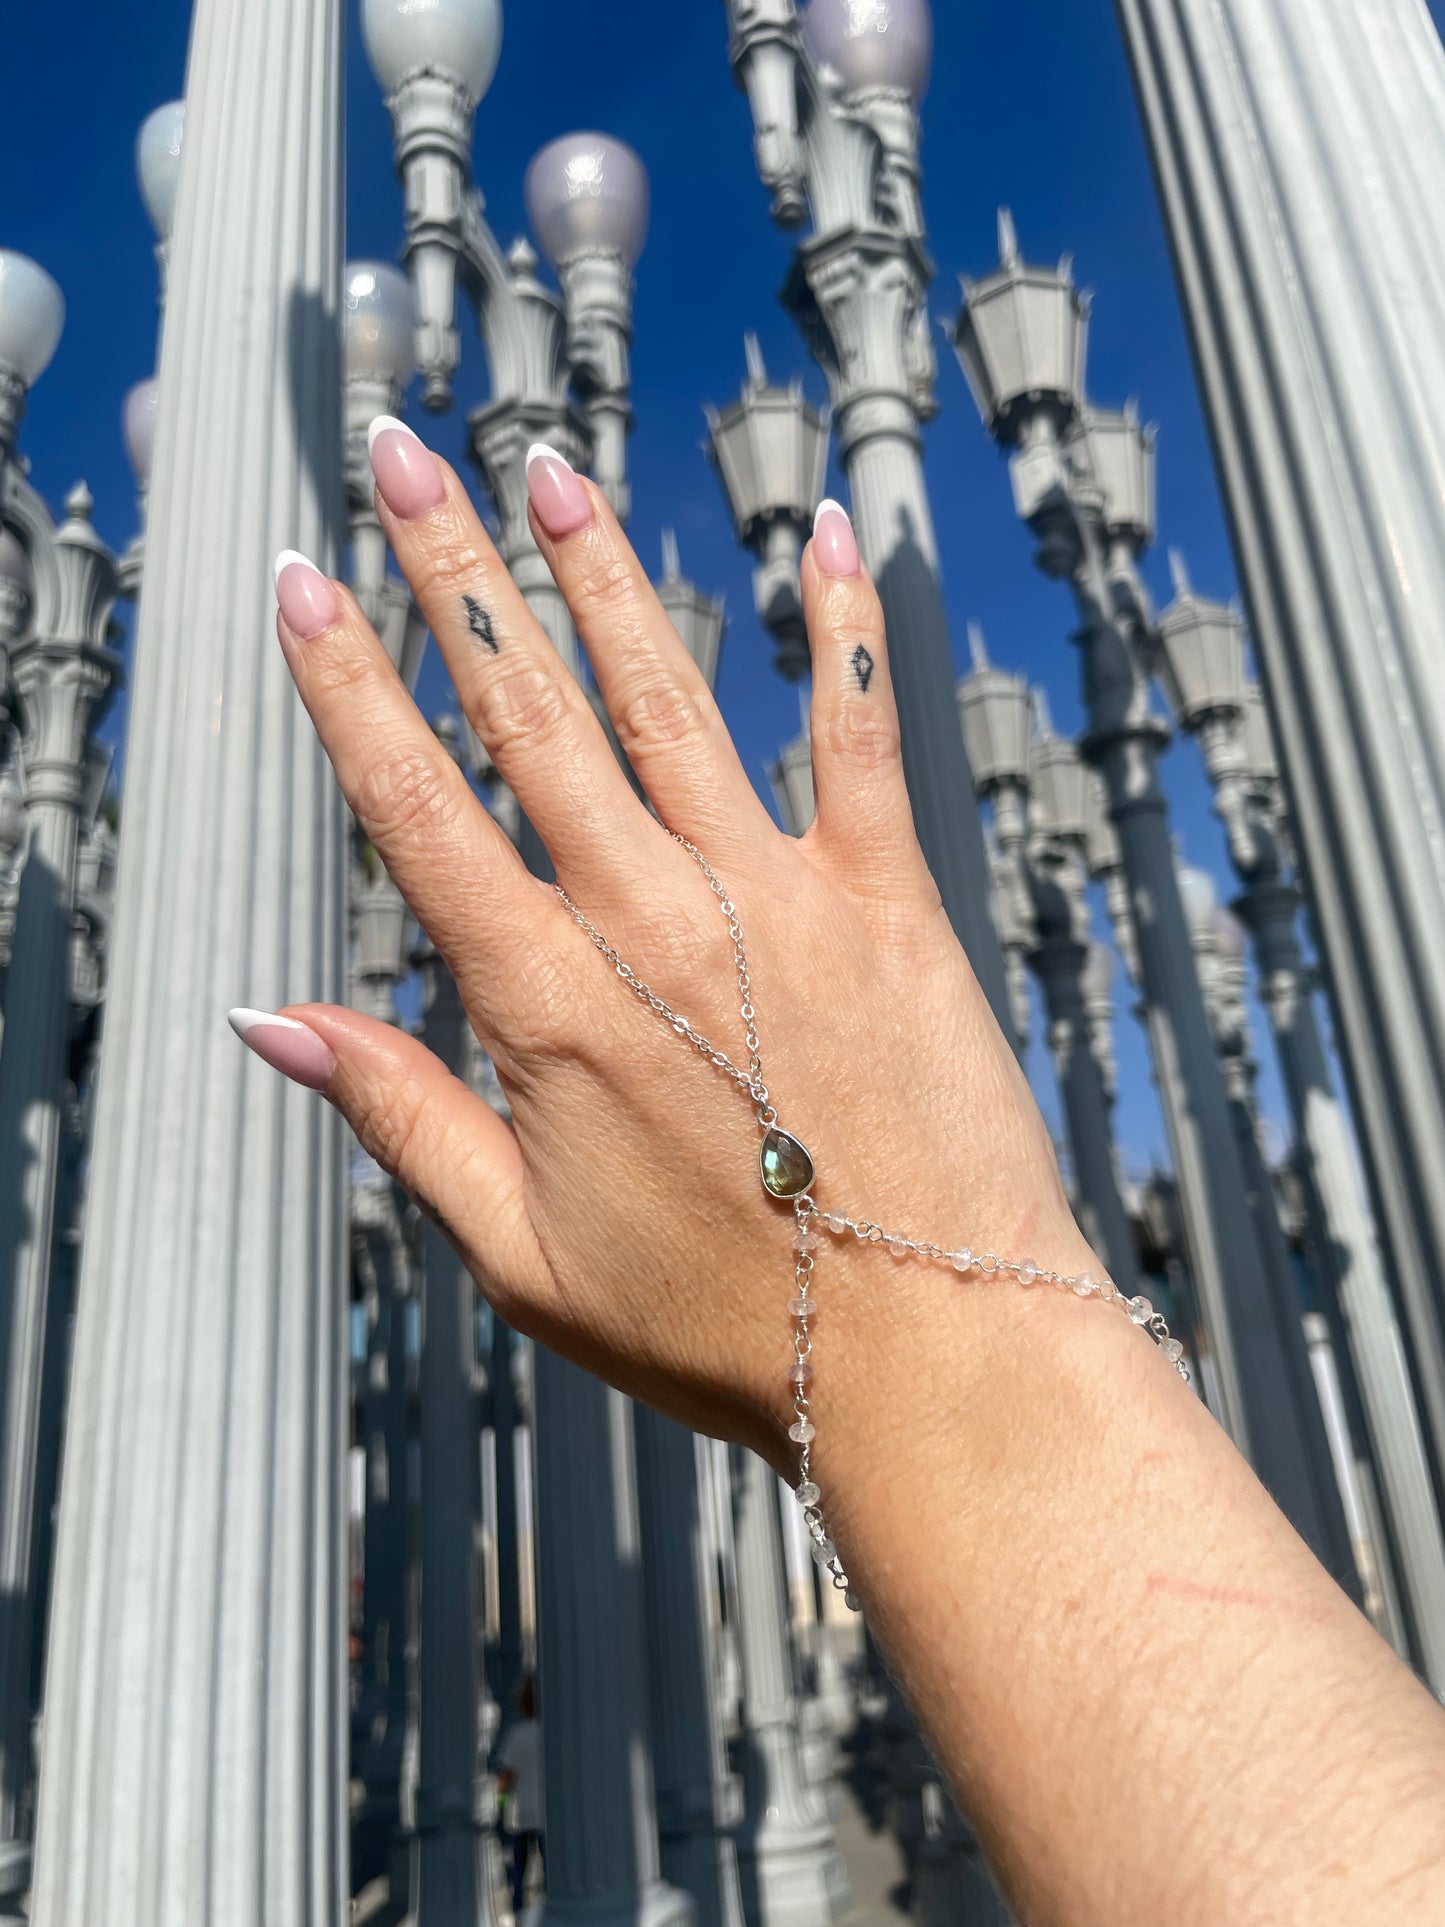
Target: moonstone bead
<point>808,1493</point>
<point>835,1220</point>
<point>897,1248</point>
<point>801,1374</point>
<point>803,1239</point>
<point>1172,1350</point>
<point>803,1432</point>
<point>802,1307</point>
<point>824,1552</point>
<point>1083,1286</point>
<point>961,1260</point>
<point>1028,1271</point>
<point>1140,1310</point>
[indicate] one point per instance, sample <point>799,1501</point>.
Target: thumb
<point>444,1145</point>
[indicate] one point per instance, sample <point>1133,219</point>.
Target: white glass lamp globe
<point>138,424</point>
<point>378,321</point>
<point>460,38</point>
<point>32,314</point>
<point>586,193</point>
<point>158,163</point>
<point>873,43</point>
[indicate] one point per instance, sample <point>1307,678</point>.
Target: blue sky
<point>1030,105</point>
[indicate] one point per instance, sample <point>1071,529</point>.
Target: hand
<point>619,1217</point>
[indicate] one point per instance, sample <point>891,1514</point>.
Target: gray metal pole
<point>1298,160</point>
<point>452,1889</point>
<point>195,1693</point>
<point>62,678</point>
<point>792,1872</point>
<point>603,1862</point>
<point>698,1800</point>
<point>1344,1249</point>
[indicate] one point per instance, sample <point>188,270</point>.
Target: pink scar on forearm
<point>1275,1605</point>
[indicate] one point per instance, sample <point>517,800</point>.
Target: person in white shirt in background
<point>519,1781</point>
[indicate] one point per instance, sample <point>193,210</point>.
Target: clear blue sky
<point>1030,105</point>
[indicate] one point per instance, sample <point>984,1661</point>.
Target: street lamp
<point>158,164</point>
<point>1083,483</point>
<point>378,330</point>
<point>1203,668</point>
<point>589,203</point>
<point>32,315</point>
<point>700,620</point>
<point>770,451</point>
<point>834,95</point>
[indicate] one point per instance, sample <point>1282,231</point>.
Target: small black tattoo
<point>862,665</point>
<point>480,624</point>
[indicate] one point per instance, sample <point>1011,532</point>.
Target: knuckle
<point>440,572</point>
<point>391,1127</point>
<point>339,670</point>
<point>658,715</point>
<point>519,707</point>
<point>606,585</point>
<point>541,1004</point>
<point>865,735</point>
<point>404,795</point>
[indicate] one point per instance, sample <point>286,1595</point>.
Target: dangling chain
<point>787,1174</point>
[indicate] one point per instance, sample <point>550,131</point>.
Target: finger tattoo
<point>862,665</point>
<point>480,624</point>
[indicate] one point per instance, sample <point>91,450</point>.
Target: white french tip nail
<point>286,558</point>
<point>380,426</point>
<point>822,508</point>
<point>543,451</point>
<point>242,1020</point>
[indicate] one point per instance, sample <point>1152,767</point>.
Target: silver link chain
<point>807,1215</point>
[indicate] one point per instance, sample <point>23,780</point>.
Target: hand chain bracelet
<point>787,1172</point>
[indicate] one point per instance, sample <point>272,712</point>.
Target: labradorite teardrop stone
<point>786,1166</point>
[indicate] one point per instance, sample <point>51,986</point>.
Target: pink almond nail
<point>287,1046</point>
<point>835,547</point>
<point>555,489</point>
<point>405,469</point>
<point>307,599</point>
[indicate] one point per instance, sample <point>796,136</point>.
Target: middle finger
<point>518,693</point>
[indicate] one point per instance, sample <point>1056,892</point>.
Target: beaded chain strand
<point>787,1172</point>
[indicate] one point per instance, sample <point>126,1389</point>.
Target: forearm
<point>1153,1702</point>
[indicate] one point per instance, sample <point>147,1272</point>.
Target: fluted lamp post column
<point>63,674</point>
<point>834,99</point>
<point>195,1694</point>
<point>1202,665</point>
<point>1297,160</point>
<point>1089,503</point>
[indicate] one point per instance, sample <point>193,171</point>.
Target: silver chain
<point>807,1215</point>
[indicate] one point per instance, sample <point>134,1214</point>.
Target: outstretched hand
<point>618,1217</point>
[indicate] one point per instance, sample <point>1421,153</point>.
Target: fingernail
<point>288,1047</point>
<point>563,506</point>
<point>834,544</point>
<point>405,469</point>
<point>308,600</point>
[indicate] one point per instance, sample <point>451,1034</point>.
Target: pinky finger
<point>448,1149</point>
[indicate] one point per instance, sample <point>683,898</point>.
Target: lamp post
<point>559,373</point>
<point>377,334</point>
<point>63,672</point>
<point>1202,664</point>
<point>200,1562</point>
<point>1038,788</point>
<point>792,1872</point>
<point>834,101</point>
<point>1308,261</point>
<point>1021,340</point>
